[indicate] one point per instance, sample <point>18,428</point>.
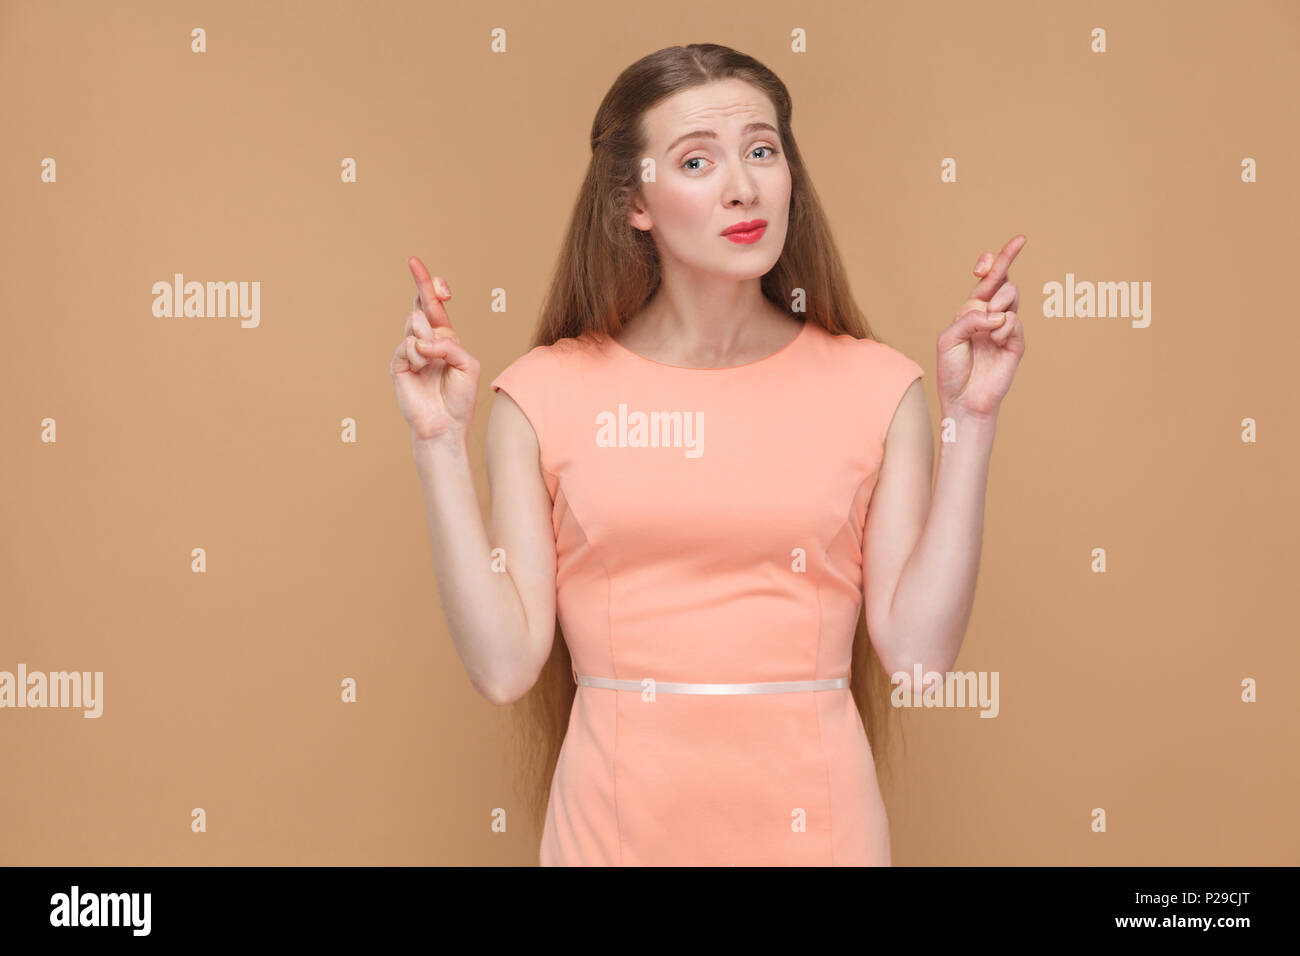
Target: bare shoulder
<point>911,417</point>
<point>528,395</point>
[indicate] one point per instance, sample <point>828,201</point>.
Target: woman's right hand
<point>436,379</point>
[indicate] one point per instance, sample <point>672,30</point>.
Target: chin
<point>752,270</point>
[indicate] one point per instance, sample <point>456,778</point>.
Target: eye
<point>699,159</point>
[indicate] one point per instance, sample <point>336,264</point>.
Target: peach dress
<point>709,529</point>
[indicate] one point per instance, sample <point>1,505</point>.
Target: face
<point>705,183</point>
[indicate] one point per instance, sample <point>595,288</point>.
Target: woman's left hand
<point>979,352</point>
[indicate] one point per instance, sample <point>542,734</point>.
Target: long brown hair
<point>607,271</point>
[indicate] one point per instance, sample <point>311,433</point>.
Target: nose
<point>740,188</point>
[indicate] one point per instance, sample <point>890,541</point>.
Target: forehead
<point>720,105</point>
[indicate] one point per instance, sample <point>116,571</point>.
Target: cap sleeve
<point>526,381</point>
<point>891,373</point>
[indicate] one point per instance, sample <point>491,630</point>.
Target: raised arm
<point>921,546</point>
<point>521,526</point>
<point>896,520</point>
<point>498,607</point>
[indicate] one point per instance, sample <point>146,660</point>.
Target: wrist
<point>971,424</point>
<point>447,445</point>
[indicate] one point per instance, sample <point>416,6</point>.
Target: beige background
<point>1119,691</point>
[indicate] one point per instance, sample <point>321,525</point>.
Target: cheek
<point>784,188</point>
<point>783,200</point>
<point>683,201</point>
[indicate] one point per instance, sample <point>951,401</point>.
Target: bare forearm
<point>483,611</point>
<point>936,590</point>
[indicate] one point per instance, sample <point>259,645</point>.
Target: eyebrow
<point>710,134</point>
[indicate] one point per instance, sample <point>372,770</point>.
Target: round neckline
<point>803,329</point>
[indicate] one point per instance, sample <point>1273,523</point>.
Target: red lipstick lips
<point>746,232</point>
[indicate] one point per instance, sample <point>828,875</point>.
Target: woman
<point>707,469</point>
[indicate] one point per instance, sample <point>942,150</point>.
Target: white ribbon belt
<point>677,687</point>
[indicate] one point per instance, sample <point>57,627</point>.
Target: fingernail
<point>998,317</point>
<point>441,285</point>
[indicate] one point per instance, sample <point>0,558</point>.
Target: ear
<point>637,215</point>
